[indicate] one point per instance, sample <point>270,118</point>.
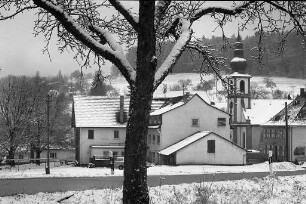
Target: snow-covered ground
<point>270,189</point>
<point>30,171</point>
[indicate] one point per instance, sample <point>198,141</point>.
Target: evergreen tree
<point>98,87</point>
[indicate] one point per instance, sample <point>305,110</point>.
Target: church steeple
<point>238,63</point>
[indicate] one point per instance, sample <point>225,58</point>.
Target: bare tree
<point>81,26</point>
<point>14,110</point>
<point>37,124</point>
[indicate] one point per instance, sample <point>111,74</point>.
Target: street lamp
<point>51,94</point>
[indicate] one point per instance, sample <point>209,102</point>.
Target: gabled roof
<point>176,102</point>
<point>100,111</point>
<point>296,114</point>
<point>191,139</point>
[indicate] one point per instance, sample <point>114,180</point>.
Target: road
<point>35,185</point>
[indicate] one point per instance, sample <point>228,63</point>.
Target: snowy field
<point>270,189</point>
<point>289,85</point>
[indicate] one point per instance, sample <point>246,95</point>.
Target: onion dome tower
<point>239,97</point>
<point>238,63</point>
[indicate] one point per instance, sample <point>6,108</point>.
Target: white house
<point>204,147</point>
<point>181,117</point>
<point>274,131</point>
<point>100,125</point>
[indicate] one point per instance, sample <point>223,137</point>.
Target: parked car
<point>119,163</point>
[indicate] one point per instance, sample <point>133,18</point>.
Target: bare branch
<point>160,10</point>
<point>17,12</point>
<point>222,10</point>
<point>80,34</point>
<point>127,15</point>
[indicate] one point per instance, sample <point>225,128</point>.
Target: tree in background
<point>81,27</point>
<point>100,88</point>
<point>59,116</point>
<point>15,107</point>
<point>205,85</point>
<point>279,94</point>
<point>269,83</point>
<point>258,91</point>
<point>185,84</point>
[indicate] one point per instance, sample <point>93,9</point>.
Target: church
<point>247,114</point>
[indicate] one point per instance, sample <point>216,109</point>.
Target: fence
<point>20,164</point>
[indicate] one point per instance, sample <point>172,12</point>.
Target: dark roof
<point>296,114</point>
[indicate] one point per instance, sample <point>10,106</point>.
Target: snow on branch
<point>115,56</point>
<point>175,53</point>
<point>234,11</point>
<point>126,13</point>
<point>116,47</point>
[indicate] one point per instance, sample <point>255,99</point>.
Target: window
<point>105,153</point>
<point>221,121</point>
<point>195,122</point>
<point>116,134</point>
<point>149,139</point>
<point>122,153</point>
<point>153,139</point>
<point>299,151</point>
<point>242,86</point>
<point>20,156</point>
<point>53,155</point>
<point>210,146</point>
<point>158,139</point>
<point>90,134</point>
<point>115,154</point>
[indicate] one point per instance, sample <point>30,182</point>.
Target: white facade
<point>102,137</point>
<point>226,153</point>
<point>177,123</point>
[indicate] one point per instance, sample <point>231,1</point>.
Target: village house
<point>174,128</point>
<point>274,131</point>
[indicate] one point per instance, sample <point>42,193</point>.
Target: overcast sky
<point>21,52</point>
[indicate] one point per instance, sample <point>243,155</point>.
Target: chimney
<point>212,103</point>
<point>121,111</point>
<point>302,92</point>
<point>185,97</point>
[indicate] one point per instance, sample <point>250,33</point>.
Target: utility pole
<point>48,135</point>
<point>287,132</point>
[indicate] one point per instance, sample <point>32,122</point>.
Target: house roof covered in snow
<point>176,102</point>
<point>101,111</point>
<point>296,111</point>
<point>263,110</point>
<point>191,139</point>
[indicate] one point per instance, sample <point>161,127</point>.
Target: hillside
<point>291,63</point>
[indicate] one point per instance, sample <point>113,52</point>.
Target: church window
<point>242,86</point>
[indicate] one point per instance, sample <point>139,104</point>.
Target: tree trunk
<point>32,153</point>
<point>11,156</point>
<point>135,188</point>
<point>37,161</point>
